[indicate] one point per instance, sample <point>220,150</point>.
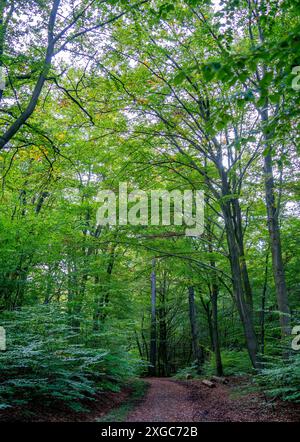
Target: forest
<point>110,310</point>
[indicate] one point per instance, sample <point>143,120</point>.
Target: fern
<point>281,378</point>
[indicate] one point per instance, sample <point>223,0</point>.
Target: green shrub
<point>190,371</point>
<point>235,363</point>
<point>281,378</point>
<point>47,360</point>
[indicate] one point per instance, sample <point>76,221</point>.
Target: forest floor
<point>168,400</point>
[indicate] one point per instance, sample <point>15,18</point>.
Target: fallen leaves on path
<point>168,400</point>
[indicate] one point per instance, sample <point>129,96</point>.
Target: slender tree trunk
<point>215,329</point>
<point>197,351</point>
<point>210,327</point>
<point>273,214</point>
<point>275,243</point>
<point>214,291</point>
<point>208,312</point>
<point>238,287</point>
<point>73,296</point>
<point>145,345</point>
<point>240,280</point>
<point>101,299</point>
<point>263,306</point>
<point>162,348</point>
<point>138,344</point>
<point>240,240</point>
<point>153,343</point>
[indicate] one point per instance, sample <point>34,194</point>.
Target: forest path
<point>165,401</point>
<point>169,400</point>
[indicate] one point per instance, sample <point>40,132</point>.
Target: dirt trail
<point>168,400</point>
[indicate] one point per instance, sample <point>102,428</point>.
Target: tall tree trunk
<point>241,287</point>
<point>215,329</point>
<point>273,210</point>
<point>240,240</point>
<point>238,286</point>
<point>138,344</point>
<point>145,344</point>
<point>162,348</point>
<point>275,241</point>
<point>73,296</point>
<point>214,291</point>
<point>101,300</point>
<point>210,327</point>
<point>153,343</point>
<point>263,306</point>
<point>197,351</point>
<point>207,309</point>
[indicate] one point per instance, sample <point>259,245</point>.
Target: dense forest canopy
<point>194,95</point>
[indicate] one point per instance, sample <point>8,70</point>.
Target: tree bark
<point>214,291</point>
<point>162,348</point>
<point>102,294</point>
<point>153,343</point>
<point>275,239</point>
<point>238,287</point>
<point>215,329</point>
<point>241,287</point>
<point>263,306</point>
<point>197,351</point>
<point>271,206</point>
<point>240,240</point>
